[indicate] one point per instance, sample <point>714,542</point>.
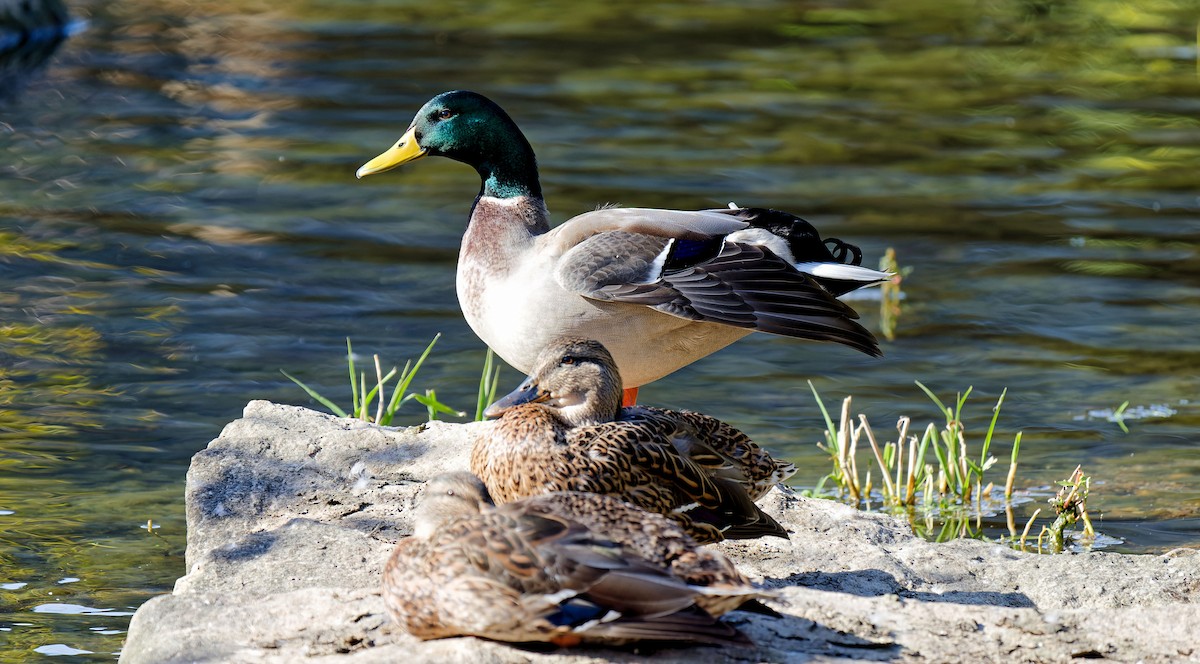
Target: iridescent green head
<point>468,127</point>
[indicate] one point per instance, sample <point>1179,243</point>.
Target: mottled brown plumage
<point>539,571</point>
<point>563,429</point>
<point>657,539</point>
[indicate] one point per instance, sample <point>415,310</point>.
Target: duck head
<point>576,377</point>
<point>468,127</point>
<point>448,496</point>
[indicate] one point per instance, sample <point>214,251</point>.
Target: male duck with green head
<point>659,288</point>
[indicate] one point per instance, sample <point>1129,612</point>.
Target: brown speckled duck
<point>659,288</point>
<point>564,429</point>
<point>539,570</point>
<point>657,539</point>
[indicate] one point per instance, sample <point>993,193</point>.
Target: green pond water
<point>179,221</point>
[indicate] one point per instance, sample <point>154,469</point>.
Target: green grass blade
<point>820,488</point>
<point>494,389</point>
<point>962,401</point>
<point>941,406</point>
<point>390,414</point>
<point>825,413</point>
<point>313,393</point>
<point>431,403</point>
<point>353,377</point>
<point>363,407</point>
<point>951,466</point>
<point>398,394</point>
<point>406,377</point>
<point>488,378</point>
<point>370,396</point>
<point>929,435</point>
<point>987,440</point>
<point>943,462</point>
<point>1119,416</point>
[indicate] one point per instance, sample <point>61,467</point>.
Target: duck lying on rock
<point>564,429</point>
<point>558,568</point>
<point>659,288</point>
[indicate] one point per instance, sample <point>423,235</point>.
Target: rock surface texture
<point>292,513</point>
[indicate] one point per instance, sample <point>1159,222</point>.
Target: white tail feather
<point>843,271</point>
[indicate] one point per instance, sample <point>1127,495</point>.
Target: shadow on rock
<point>397,457</point>
<point>876,583</point>
<point>807,636</point>
<point>236,492</point>
<point>252,546</point>
<point>978,597</point>
<point>246,485</point>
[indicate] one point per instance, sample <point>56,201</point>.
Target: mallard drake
<point>526,572</point>
<point>660,288</point>
<point>564,429</point>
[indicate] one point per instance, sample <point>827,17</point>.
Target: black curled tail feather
<point>843,252</point>
<point>802,237</point>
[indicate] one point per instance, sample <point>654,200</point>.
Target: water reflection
<point>30,32</point>
<point>179,221</point>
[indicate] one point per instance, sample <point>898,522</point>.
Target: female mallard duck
<point>660,288</point>
<point>537,571</point>
<point>564,429</point>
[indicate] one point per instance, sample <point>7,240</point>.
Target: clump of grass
<point>364,401</point>
<point>935,479</point>
<point>1070,507</point>
<point>906,471</point>
<point>489,384</point>
<point>374,405</point>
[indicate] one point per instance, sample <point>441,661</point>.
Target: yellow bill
<point>404,151</point>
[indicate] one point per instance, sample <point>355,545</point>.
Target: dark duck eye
<point>567,359</point>
<point>445,113</point>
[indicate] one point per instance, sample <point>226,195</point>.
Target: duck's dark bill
<point>526,392</point>
<point>404,151</point>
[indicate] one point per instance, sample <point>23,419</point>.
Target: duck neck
<point>510,171</point>
<point>597,407</point>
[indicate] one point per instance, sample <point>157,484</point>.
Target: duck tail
<point>834,264</point>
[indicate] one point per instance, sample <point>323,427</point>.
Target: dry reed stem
<point>845,456</point>
<point>1028,525</point>
<point>911,497</point>
<point>979,503</point>
<point>1074,479</point>
<point>964,476</point>
<point>883,469</point>
<point>850,437</point>
<point>1008,483</point>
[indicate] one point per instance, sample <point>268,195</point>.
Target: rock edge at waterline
<point>291,514</point>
